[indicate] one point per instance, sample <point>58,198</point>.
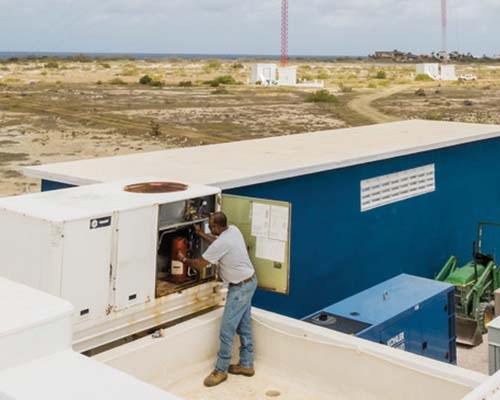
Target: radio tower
<point>444,22</point>
<point>284,33</point>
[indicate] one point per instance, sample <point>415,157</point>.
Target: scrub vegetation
<point>77,107</point>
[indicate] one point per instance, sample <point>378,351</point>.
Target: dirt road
<point>362,104</point>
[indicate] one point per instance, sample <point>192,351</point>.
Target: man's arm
<point>196,263</point>
<point>209,238</point>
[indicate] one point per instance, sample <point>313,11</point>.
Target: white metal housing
<point>96,246</point>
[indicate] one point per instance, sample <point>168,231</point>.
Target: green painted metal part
<point>465,275</point>
<point>474,284</point>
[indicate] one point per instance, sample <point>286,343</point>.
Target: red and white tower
<point>284,33</point>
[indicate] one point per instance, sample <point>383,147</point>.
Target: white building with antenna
<point>445,71</point>
<point>265,74</point>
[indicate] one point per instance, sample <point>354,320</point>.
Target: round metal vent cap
<point>155,187</point>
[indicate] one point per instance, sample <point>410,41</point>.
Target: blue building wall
<point>48,185</point>
<point>337,250</point>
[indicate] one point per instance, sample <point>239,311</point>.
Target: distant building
<point>287,76</point>
<point>264,74</point>
<point>443,55</point>
<point>388,55</point>
<point>445,72</point>
<point>430,69</point>
<point>448,72</point>
<point>271,74</point>
<point>394,55</point>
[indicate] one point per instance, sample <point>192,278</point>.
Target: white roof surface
<point>70,376</point>
<point>95,200</point>
<point>254,161</point>
<point>33,368</point>
<point>20,307</point>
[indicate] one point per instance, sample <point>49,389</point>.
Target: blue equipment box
<point>406,312</point>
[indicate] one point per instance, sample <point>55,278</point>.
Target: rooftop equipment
<point>107,248</point>
<point>406,312</point>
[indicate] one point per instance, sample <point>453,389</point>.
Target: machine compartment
<point>167,281</point>
<point>176,231</point>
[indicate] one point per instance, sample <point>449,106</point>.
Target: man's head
<point>217,223</point>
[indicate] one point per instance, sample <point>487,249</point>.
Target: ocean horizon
<point>5,55</point>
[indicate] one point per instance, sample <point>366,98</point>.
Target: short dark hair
<point>219,219</point>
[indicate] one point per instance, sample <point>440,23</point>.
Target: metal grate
<point>386,189</point>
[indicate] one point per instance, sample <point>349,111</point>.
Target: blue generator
<point>406,312</point>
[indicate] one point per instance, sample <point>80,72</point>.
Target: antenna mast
<point>444,23</point>
<point>284,33</point>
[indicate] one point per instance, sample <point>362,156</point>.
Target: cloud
<point>246,26</point>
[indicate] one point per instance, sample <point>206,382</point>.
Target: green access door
<point>265,225</point>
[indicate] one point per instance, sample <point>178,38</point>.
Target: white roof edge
<point>492,131</point>
<point>35,173</point>
<point>291,173</point>
<point>22,314</point>
<point>38,322</point>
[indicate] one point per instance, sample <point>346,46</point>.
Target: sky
<point>316,27</point>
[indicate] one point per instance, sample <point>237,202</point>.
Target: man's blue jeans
<point>236,319</point>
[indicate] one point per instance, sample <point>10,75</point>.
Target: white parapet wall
<point>32,324</point>
<point>311,84</point>
<point>37,361</point>
<point>293,360</point>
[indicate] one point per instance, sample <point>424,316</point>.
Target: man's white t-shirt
<point>230,252</point>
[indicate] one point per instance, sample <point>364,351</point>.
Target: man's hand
<point>197,229</point>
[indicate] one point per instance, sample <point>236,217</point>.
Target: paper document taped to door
<point>270,249</point>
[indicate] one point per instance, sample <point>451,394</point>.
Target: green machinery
<point>474,283</point>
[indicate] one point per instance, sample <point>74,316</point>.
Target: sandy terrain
<point>56,110</point>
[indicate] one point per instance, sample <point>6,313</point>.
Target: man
<point>228,250</point>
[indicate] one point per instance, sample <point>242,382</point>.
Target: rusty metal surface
<point>155,187</point>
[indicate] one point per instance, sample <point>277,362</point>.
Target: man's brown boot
<point>237,369</point>
<point>215,378</point>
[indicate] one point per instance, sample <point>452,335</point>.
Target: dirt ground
<point>63,109</point>
<point>474,358</point>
